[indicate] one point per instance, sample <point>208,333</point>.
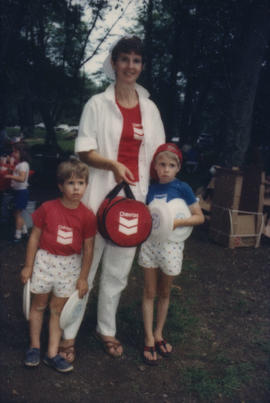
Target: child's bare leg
<point>55,332</point>
<point>164,290</point>
<point>19,221</point>
<point>39,304</point>
<point>149,294</point>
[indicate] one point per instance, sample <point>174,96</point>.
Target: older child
<point>159,270</point>
<point>63,228</point>
<point>19,184</point>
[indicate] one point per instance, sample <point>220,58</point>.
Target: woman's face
<point>128,67</point>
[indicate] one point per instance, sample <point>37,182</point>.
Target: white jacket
<point>101,128</point>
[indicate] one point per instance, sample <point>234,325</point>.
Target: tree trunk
<point>250,57</point>
<point>174,107</point>
<point>149,47</point>
<point>50,139</point>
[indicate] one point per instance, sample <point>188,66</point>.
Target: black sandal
<point>162,343</point>
<point>146,360</point>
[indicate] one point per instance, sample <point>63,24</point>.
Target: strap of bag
<point>128,191</point>
<point>114,192</point>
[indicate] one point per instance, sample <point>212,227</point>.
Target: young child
<point>63,228</point>
<point>162,261</point>
<point>19,184</point>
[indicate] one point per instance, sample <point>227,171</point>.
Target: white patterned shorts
<point>167,256</point>
<point>55,273</point>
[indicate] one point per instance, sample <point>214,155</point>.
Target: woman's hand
<point>26,273</point>
<point>122,173</point>
<point>82,287</point>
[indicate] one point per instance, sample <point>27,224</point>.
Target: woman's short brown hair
<point>128,44</point>
<point>72,167</point>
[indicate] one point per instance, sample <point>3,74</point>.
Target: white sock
<point>18,234</point>
<point>24,229</point>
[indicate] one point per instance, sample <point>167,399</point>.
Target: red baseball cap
<point>164,147</point>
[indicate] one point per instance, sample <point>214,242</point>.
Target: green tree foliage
<point>203,53</point>
<point>46,44</point>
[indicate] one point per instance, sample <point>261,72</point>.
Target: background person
<point>19,184</point>
<point>119,131</point>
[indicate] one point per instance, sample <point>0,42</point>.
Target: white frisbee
<point>162,220</point>
<point>163,215</point>
<point>73,308</point>
<point>26,299</point>
<point>179,209</point>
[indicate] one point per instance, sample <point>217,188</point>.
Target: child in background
<point>162,261</point>
<point>19,184</point>
<point>58,259</point>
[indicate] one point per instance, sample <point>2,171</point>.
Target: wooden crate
<point>234,229</point>
<point>236,213</point>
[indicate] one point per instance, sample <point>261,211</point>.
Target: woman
<point>119,131</point>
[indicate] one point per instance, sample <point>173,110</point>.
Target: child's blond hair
<point>169,155</point>
<point>72,167</point>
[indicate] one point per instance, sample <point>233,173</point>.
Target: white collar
<point>110,92</point>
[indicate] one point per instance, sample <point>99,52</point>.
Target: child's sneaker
<point>24,231</point>
<point>32,357</point>
<point>59,363</point>
<point>17,236</point>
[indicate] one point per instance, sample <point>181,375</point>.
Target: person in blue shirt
<point>162,260</point>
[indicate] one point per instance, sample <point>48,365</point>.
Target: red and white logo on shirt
<point>64,235</point>
<point>137,131</point>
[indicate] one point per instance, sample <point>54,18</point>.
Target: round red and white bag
<point>123,220</point>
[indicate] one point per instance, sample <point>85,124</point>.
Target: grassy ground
<point>218,323</point>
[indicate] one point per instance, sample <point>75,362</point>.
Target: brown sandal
<point>109,346</point>
<point>68,353</point>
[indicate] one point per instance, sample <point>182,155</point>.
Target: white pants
<point>116,266</point>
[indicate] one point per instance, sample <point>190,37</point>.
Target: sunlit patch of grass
<point>66,145</point>
<point>179,325</point>
<point>180,321</point>
<point>200,382</point>
<point>209,385</point>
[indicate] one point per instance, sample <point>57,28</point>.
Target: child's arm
<point>31,250</point>
<point>82,283</point>
<point>19,178</point>
<point>196,218</point>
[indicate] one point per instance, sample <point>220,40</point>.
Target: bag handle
<point>114,192</point>
<point>128,191</point>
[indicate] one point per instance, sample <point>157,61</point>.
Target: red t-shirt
<point>64,229</point>
<point>131,138</point>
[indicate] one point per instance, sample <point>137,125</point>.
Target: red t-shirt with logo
<point>64,229</point>
<point>131,138</point>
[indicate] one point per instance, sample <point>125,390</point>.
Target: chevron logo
<point>137,131</point>
<point>128,226</point>
<point>64,235</point>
